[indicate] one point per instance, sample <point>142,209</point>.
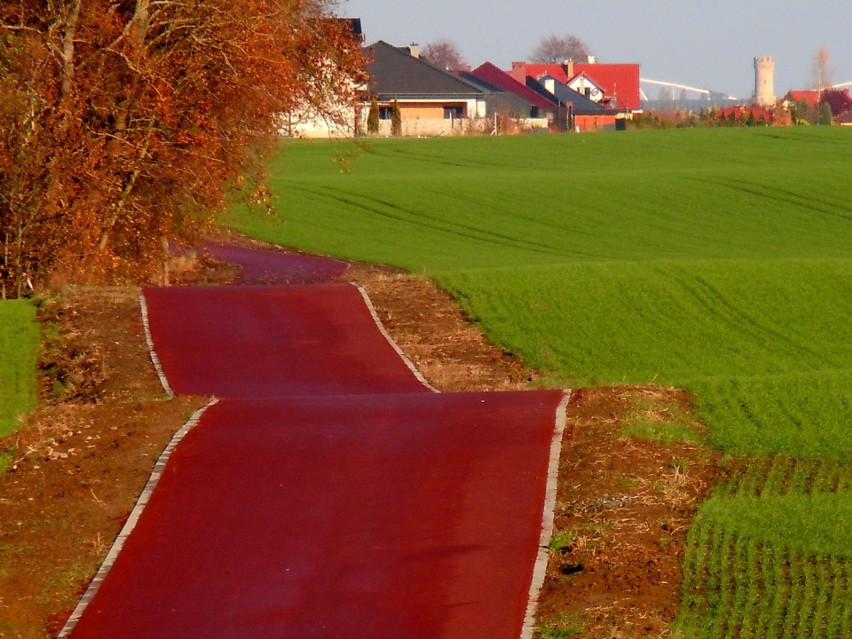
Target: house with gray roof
<point>430,100</point>
<point>578,111</point>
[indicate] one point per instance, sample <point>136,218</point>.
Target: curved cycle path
<point>328,493</point>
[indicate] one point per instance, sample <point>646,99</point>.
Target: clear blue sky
<point>709,45</point>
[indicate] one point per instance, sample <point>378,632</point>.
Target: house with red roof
<point>585,85</point>
<point>809,97</point>
<point>838,100</point>
<point>499,102</point>
<point>614,85</point>
<point>540,106</point>
<point>522,70</point>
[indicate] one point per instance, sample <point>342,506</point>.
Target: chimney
<point>568,67</point>
<point>414,50</point>
<point>592,59</point>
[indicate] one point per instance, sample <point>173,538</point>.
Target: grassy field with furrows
<point>445,204</point>
<point>719,261</point>
<point>764,345</point>
<point>18,349</point>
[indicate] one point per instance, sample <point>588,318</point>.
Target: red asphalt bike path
<point>328,493</point>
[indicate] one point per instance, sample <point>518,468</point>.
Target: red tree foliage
<point>838,100</point>
<point>126,122</point>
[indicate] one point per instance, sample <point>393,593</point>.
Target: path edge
<point>369,303</point>
<point>132,520</point>
<point>149,340</point>
<point>547,517</point>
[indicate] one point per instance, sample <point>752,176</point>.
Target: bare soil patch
<point>83,457</point>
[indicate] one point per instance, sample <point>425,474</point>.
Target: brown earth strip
<point>81,460</point>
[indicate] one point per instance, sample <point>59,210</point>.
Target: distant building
<point>579,112</point>
<point>838,100</point>
<point>541,107</point>
<point>808,96</point>
<point>430,100</point>
<point>614,86</point>
<point>334,120</point>
<point>764,81</point>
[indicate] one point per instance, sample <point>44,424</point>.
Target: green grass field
<point>446,204</point>
<point>769,555</point>
<point>765,345</point>
<point>19,339</point>
<point>715,260</point>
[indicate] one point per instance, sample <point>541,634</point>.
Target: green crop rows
<point>18,349</point>
<point>769,554</point>
<point>765,345</point>
<point>715,260</point>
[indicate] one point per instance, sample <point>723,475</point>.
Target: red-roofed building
<point>520,71</point>
<point>585,85</point>
<point>619,83</point>
<point>499,78</point>
<point>809,97</point>
<point>839,100</point>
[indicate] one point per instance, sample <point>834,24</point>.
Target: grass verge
<point>19,343</point>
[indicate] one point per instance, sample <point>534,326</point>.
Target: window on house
<point>453,112</point>
<point>386,113</point>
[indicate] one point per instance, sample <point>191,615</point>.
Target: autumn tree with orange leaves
<point>123,123</point>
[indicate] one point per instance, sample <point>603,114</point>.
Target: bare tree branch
<point>555,49</point>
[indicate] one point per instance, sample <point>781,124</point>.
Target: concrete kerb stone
<point>161,374</point>
<point>548,513</point>
<point>368,302</point>
<point>151,484</point>
<point>132,520</point>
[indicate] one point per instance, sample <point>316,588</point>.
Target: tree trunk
<point>138,28</point>
<point>68,50</point>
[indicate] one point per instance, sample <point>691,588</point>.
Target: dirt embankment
<point>81,460</point>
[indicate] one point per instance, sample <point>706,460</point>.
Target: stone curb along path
<point>328,491</point>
